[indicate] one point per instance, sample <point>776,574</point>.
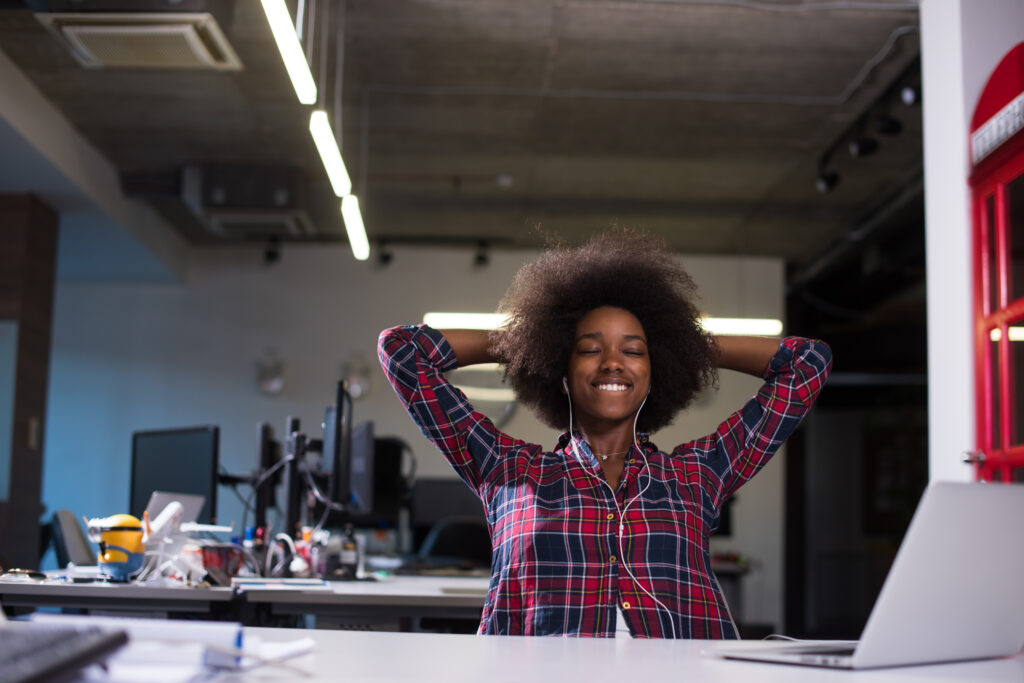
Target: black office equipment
<point>32,653</point>
<point>270,455</point>
<point>361,461</point>
<point>436,499</point>
<point>348,456</point>
<point>175,460</point>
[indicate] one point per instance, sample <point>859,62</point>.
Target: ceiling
<point>476,121</point>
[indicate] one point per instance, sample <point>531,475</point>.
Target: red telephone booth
<point>997,186</point>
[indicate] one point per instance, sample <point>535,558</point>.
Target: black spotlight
<point>888,125</point>
<point>384,254</point>
<point>862,147</point>
<point>482,257</point>
<point>272,252</point>
<point>910,95</point>
<point>826,181</point>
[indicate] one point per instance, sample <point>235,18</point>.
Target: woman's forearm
<point>470,346</point>
<point>745,354</point>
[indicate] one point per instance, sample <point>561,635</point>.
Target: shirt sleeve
<point>744,442</point>
<point>415,358</point>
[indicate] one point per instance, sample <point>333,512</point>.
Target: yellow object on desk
<point>121,548</point>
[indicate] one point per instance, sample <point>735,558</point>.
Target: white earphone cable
<point>622,511</point>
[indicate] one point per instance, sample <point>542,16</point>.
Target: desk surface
<point>395,597</point>
<point>413,591</point>
<point>366,656</point>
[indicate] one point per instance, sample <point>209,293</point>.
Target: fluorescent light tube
<point>327,145</point>
<point>354,227</point>
<point>488,394</point>
<point>1016,334</point>
<point>761,327</point>
<point>492,321</point>
<point>465,321</point>
<point>291,50</point>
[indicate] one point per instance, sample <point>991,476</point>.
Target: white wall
<point>130,357</point>
<point>962,41</point>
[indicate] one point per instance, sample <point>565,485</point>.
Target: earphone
<point>622,511</point>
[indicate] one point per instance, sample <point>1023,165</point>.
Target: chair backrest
<point>458,537</point>
<point>70,542</point>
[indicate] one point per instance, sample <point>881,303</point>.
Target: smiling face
<point>609,367</point>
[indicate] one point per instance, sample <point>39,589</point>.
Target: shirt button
<point>610,516</point>
<point>625,605</point>
<point>632,461</point>
<point>611,559</point>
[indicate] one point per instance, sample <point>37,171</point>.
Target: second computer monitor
<point>176,461</point>
<point>348,455</point>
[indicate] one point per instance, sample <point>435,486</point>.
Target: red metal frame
<point>991,181</point>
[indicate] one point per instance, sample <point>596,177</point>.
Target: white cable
<point>621,511</point>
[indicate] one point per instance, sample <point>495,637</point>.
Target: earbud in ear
<point>565,384</point>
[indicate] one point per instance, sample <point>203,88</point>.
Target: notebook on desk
<point>952,594</point>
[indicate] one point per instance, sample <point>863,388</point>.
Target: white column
<point>947,241</point>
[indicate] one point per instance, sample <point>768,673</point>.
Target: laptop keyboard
<point>44,652</point>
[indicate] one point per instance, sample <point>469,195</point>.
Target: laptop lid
<point>953,592</point>
<point>191,503</point>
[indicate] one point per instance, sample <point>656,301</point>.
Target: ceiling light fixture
<point>886,124</point>
<point>910,95</point>
<point>862,147</point>
<point>354,227</point>
<point>291,50</point>
<point>482,257</point>
<point>327,145</point>
<point>758,327</point>
<point>465,321</point>
<point>826,181</point>
<point>770,327</point>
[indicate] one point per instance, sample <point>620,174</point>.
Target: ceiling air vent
<point>143,40</point>
<point>236,202</point>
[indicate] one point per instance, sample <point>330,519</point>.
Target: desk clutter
<point>52,647</point>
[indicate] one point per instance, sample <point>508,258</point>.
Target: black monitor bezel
<point>211,502</point>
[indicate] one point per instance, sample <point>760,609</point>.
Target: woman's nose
<point>610,360</point>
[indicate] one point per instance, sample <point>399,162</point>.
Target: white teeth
<point>612,387</point>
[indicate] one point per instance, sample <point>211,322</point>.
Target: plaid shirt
<point>566,549</point>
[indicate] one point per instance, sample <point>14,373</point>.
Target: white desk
<point>397,597</point>
<point>390,657</point>
<point>119,597</point>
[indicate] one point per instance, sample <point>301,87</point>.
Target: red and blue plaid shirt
<point>566,550</point>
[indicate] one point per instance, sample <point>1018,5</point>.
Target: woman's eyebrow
<point>599,335</point>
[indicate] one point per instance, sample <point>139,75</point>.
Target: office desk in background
<point>391,603</point>
<point>395,600</point>
<point>445,658</point>
<point>131,599</point>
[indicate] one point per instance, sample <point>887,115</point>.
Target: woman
<point>606,532</point>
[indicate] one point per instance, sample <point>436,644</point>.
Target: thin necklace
<point>605,456</point>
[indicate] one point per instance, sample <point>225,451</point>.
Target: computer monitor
<point>360,469</point>
<point>348,457</point>
<point>178,461</point>
<point>270,455</point>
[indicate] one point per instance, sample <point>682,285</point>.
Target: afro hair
<point>620,267</point>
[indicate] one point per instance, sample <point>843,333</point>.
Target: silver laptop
<point>953,592</point>
<point>191,503</point>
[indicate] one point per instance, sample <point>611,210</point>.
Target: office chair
<point>69,540</point>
